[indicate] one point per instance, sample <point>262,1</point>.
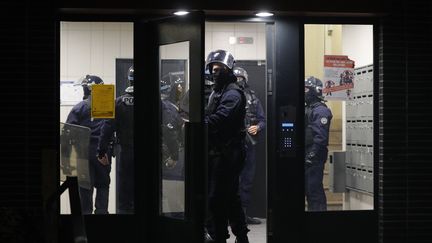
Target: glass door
<point>169,73</point>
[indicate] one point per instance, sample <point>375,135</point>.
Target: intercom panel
<point>287,131</point>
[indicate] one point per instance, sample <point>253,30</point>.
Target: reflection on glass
<point>174,84</point>
<point>339,147</point>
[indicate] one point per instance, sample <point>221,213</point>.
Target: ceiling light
<point>181,13</point>
<point>264,14</point>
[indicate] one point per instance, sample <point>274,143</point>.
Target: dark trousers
<point>314,189</point>
<point>125,180</point>
<point>99,179</point>
<point>224,204</point>
<point>247,176</point>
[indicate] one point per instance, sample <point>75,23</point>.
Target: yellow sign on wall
<point>102,101</point>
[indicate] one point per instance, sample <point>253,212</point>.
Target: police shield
<point>74,153</point>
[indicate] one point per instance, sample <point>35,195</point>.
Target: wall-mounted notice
<point>338,77</point>
<point>102,101</point>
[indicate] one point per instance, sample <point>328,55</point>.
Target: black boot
<point>250,220</point>
<point>242,239</point>
<point>207,237</point>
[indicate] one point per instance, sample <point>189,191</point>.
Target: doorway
<point>247,42</point>
<point>105,50</point>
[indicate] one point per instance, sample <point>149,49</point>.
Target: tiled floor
<point>257,233</point>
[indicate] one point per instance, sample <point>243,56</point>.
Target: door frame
<point>99,225</point>
<point>192,30</point>
<point>346,223</point>
<point>106,228</point>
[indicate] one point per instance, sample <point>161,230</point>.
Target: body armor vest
<point>251,108</point>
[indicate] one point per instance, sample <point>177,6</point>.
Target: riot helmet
<point>130,77</point>
<point>242,76</point>
<point>313,90</point>
<point>222,57</point>
<point>87,82</point>
<point>165,89</point>
<point>220,63</point>
<point>177,77</point>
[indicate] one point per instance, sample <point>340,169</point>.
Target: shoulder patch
<point>324,120</point>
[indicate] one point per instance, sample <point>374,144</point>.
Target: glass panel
<point>339,81</point>
<point>91,52</point>
<point>74,153</point>
<point>174,85</point>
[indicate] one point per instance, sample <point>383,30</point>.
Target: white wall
<point>178,50</point>
<point>90,48</point>
<point>357,43</point>
<point>175,51</point>
<point>217,36</point>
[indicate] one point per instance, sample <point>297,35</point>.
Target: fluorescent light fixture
<point>264,14</point>
<point>181,13</point>
<point>232,40</point>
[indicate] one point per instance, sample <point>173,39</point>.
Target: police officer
<point>225,116</point>
<point>255,123</point>
<point>177,90</point>
<point>172,130</point>
<point>317,123</point>
<point>122,125</point>
<point>99,173</point>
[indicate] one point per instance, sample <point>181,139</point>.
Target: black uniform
<point>124,127</point>
<point>317,123</point>
<point>225,116</point>
<point>254,116</point>
<point>99,173</point>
